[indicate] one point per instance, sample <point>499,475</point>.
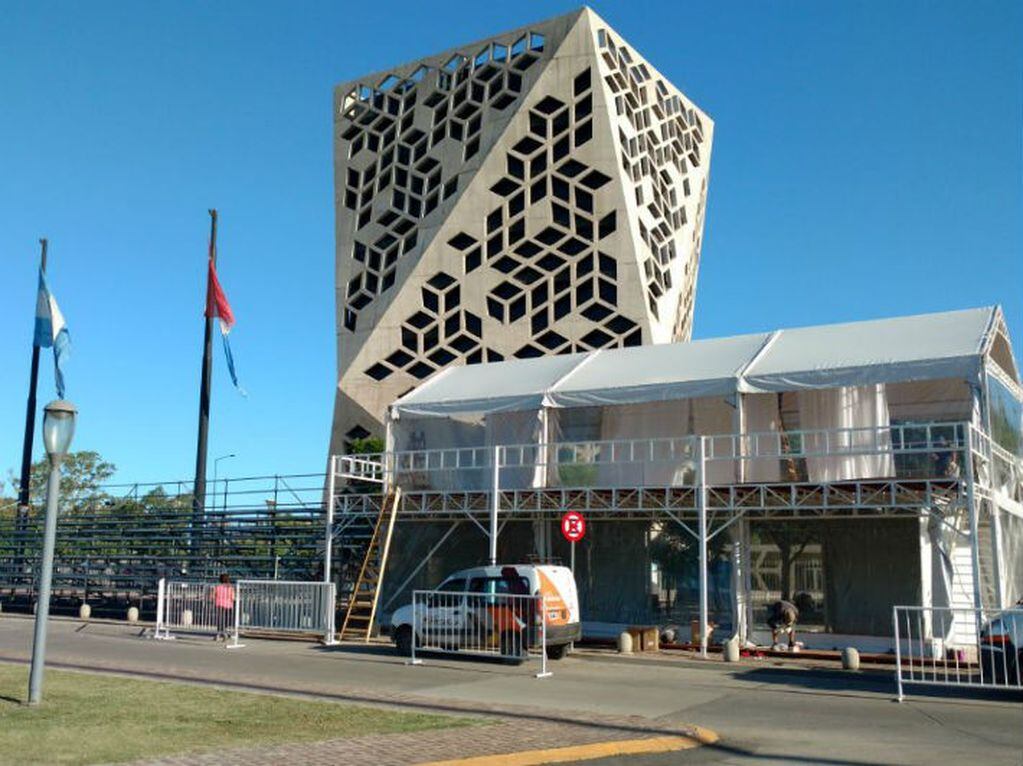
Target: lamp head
<point>58,427</point>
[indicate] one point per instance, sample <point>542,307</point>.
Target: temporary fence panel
<point>191,607</point>
<point>287,607</point>
<point>930,649</point>
<point>499,625</point>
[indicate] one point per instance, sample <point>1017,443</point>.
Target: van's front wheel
<point>557,651</point>
<point>403,640</point>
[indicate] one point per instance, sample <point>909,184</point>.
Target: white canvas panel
<point>849,407</point>
<point>763,424</point>
<point>518,429</point>
<point>930,401</point>
<point>446,453</point>
<point>646,463</point>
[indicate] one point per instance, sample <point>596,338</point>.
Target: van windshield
<point>499,585</point>
<point>456,585</point>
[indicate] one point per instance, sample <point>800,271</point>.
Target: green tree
<point>371,445</point>
<point>82,475</point>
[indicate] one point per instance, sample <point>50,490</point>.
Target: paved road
<point>765,713</point>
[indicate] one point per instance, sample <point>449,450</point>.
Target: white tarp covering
<point>661,372</point>
<point>853,419</point>
<point>484,388</point>
<point>922,347</point>
<point>926,347</point>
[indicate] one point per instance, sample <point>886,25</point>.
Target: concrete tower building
<point>539,192</point>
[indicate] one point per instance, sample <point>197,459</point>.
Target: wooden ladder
<point>362,607</point>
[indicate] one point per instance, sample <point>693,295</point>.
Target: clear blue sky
<point>866,163</point>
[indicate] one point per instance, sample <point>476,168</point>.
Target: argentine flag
<point>51,330</point>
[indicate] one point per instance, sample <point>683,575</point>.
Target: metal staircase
<point>362,601</point>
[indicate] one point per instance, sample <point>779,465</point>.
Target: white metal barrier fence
<point>286,607</point>
<point>500,625</point>
<point>223,608</point>
<point>958,647</point>
<point>192,607</point>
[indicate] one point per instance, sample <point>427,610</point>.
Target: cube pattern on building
<point>539,192</point>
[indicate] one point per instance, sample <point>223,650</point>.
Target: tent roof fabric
<point>922,347</point>
<point>494,387</point>
<point>658,373</point>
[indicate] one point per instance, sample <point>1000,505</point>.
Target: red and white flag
<point>218,307</point>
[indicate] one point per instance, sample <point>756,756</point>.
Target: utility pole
<point>24,499</point>
<point>199,490</point>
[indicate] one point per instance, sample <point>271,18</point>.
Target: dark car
<point>1001,649</point>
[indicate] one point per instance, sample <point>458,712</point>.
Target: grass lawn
<point>88,718</point>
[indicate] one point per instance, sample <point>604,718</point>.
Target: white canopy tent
<point>916,348</point>
<point>848,390</point>
<point>851,378</point>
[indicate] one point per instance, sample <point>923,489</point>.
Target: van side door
<point>445,614</point>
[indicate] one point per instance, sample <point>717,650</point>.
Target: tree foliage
<point>82,475</point>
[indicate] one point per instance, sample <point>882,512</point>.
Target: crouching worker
<point>781,618</point>
<point>223,606</point>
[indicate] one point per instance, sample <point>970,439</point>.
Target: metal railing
<point>958,647</point>
<point>115,541</point>
<point>500,625</point>
<point>930,450</point>
<point>229,609</point>
<point>192,607</point>
<point>287,607</point>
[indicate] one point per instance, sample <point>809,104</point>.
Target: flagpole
<point>199,492</point>
<point>30,427</point>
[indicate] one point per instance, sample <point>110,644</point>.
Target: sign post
<point>573,529</point>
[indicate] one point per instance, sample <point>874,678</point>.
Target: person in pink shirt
<point>223,605</point>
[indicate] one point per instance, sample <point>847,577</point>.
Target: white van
<point>456,607</point>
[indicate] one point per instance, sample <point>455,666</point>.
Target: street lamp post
<point>58,429</point>
<point>216,464</point>
<point>220,537</point>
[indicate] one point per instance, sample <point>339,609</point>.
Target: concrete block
<point>625,642</point>
<point>133,614</point>
<point>85,611</point>
<point>730,650</point>
<point>850,658</point>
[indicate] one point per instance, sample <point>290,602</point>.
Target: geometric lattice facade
<point>539,192</point>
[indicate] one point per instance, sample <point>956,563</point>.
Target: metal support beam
<point>328,543</point>
<point>701,504</point>
<point>495,501</point>
<point>996,554</point>
<point>971,510</point>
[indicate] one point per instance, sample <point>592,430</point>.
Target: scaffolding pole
<point>701,507</point>
<point>328,542</point>
<point>971,509</point>
<point>494,503</point>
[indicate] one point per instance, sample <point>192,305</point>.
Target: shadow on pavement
<point>843,682</point>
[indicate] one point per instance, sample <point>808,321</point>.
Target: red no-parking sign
<point>573,526</point>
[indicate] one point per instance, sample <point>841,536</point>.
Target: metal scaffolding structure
<point>986,483</point>
<point>115,541</point>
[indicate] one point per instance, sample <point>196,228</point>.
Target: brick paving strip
<point>555,741</point>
